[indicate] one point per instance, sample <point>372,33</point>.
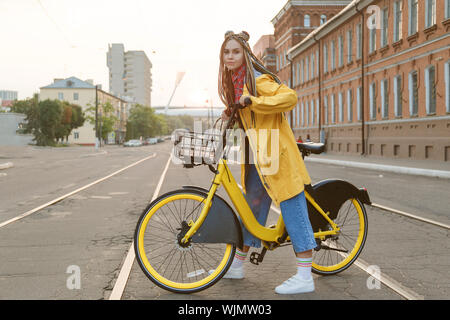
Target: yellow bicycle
<point>185,240</point>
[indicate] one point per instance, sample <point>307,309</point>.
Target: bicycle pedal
<point>256,258</point>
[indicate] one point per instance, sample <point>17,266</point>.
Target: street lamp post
<point>96,117</point>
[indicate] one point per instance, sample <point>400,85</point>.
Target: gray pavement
<point>94,229</point>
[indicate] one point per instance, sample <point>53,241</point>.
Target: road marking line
<point>124,273</point>
<point>383,278</point>
<point>26,214</point>
<point>388,281</point>
<point>412,216</point>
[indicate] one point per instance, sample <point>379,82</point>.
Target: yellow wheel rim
<point>149,267</point>
<point>348,257</point>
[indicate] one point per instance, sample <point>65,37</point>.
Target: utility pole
<point>96,118</point>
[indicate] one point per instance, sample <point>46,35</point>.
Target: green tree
<point>72,117</point>
<point>106,118</point>
<point>49,120</point>
<point>142,122</point>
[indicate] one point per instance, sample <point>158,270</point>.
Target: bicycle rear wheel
<point>338,252</point>
<point>170,264</point>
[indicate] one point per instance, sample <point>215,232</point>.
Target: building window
<point>333,55</point>
<point>298,115</point>
<point>447,9</point>
<point>359,103</point>
<point>312,66</point>
<point>60,96</point>
<point>373,100</point>
<point>302,71</point>
<point>323,19</point>
<point>317,63</point>
<point>398,96</point>
<point>325,58</point>
<point>76,135</point>
<point>325,109</point>
<point>430,85</point>
<point>350,105</point>
<point>303,114</point>
<point>307,113</point>
<point>312,112</point>
<point>384,98</point>
<point>333,110</point>
<point>358,41</point>
<point>384,27</point>
<point>349,46</point>
<point>307,68</point>
<point>372,40</point>
<point>398,18</point>
<point>75,96</point>
<point>341,50</point>
<point>298,73</point>
<point>307,21</point>
<point>447,85</point>
<point>278,63</point>
<point>413,94</point>
<point>430,13</point>
<point>341,107</point>
<point>317,111</point>
<point>413,6</point>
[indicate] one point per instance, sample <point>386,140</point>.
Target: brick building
<point>264,50</point>
<point>373,79</point>
<point>295,21</point>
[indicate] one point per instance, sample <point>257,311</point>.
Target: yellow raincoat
<point>276,156</point>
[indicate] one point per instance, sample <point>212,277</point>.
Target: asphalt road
<point>91,231</point>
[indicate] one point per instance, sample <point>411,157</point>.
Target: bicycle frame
<point>225,178</point>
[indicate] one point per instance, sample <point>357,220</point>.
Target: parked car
<point>132,143</point>
<point>159,139</point>
<point>152,140</point>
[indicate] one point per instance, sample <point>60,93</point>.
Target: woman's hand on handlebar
<point>245,101</point>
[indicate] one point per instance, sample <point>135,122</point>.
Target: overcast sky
<point>46,39</point>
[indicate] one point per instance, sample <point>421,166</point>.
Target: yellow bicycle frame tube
<point>225,178</point>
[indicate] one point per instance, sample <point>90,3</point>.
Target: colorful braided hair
<point>226,89</point>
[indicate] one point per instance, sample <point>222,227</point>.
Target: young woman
<point>242,75</point>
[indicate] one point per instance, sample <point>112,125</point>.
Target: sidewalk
<point>430,168</point>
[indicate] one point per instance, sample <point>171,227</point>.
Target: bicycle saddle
<point>311,147</point>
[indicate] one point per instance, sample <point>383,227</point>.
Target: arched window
<point>323,19</point>
<point>307,21</point>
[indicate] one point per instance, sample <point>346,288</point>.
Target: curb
<point>386,168</point>
<point>6,165</point>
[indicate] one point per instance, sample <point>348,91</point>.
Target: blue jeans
<point>293,210</point>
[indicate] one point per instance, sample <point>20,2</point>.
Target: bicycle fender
<point>221,224</point>
<point>330,194</point>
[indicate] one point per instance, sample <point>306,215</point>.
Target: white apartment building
<point>129,74</point>
<point>83,93</point>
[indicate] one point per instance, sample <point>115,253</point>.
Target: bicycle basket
<point>194,148</point>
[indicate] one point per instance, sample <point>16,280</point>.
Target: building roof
<point>69,83</point>
<point>291,3</point>
<point>327,27</point>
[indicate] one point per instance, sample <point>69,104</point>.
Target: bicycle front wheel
<point>170,264</point>
<point>338,252</point>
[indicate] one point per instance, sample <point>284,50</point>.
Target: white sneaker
<point>294,285</point>
<point>234,273</point>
